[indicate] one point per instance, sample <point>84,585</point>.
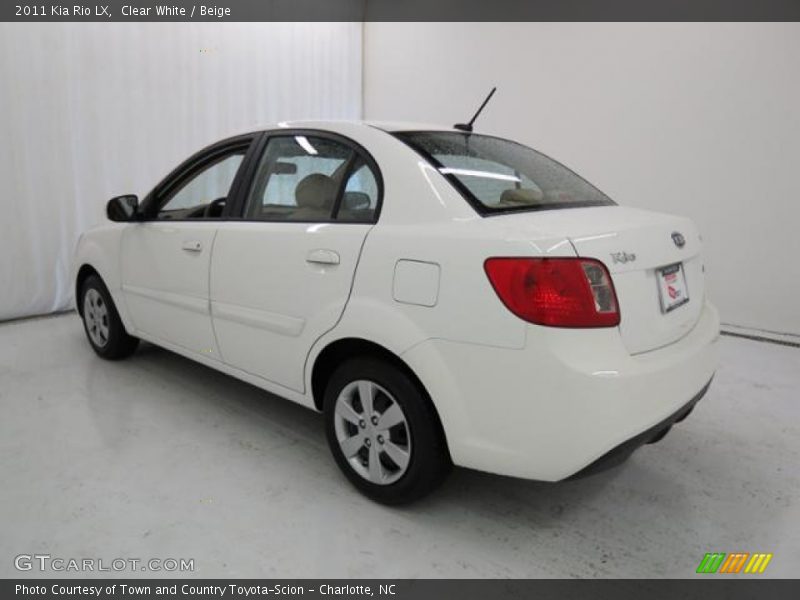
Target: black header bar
<point>401,10</point>
<point>705,587</point>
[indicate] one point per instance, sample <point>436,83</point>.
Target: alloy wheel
<point>95,315</point>
<point>372,432</point>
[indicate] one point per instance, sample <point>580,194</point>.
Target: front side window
<point>311,179</point>
<point>205,193</point>
<point>497,175</point>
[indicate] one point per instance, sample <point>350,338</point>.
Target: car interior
<point>299,186</point>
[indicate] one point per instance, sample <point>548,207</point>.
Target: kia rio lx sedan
<point>443,297</point>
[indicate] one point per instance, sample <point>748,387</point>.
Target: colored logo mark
<point>736,562</point>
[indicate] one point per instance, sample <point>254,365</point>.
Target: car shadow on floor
<point>210,390</point>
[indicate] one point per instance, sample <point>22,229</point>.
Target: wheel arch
<point>84,272</point>
<point>338,351</point>
<point>97,252</point>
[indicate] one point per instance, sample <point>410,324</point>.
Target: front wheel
<point>103,326</point>
<point>384,432</point>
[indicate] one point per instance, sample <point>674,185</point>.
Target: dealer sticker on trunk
<point>672,287</point>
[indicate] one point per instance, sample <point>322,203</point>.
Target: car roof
<point>395,126</point>
<point>334,125</point>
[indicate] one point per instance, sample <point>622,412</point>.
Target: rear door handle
<point>323,257</point>
<point>192,246</point>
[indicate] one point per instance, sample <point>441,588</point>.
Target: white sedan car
<point>443,297</point>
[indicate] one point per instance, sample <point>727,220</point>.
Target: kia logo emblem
<point>679,240</point>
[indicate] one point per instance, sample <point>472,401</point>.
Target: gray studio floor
<point>158,457</point>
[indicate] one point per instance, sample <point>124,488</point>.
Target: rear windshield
<point>498,176</point>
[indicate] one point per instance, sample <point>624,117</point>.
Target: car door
<point>166,256</point>
<point>281,275</point>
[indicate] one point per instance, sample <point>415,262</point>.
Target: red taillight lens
<point>558,292</point>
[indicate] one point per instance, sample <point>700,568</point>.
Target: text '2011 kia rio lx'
<point>444,297</point>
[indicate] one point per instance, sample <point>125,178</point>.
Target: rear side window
<point>312,179</point>
<point>360,197</point>
<point>498,176</point>
<point>298,179</point>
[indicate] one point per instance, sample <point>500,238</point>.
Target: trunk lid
<point>635,245</point>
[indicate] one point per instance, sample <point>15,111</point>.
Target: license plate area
<point>672,289</point>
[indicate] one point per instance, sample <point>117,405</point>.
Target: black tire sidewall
<point>119,344</point>
<point>429,463</point>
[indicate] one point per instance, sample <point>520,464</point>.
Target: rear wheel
<point>383,432</point>
<point>104,328</point>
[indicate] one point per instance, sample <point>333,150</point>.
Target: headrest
<point>355,201</point>
<point>315,191</point>
<point>521,196</point>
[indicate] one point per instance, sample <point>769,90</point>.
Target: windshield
<point>498,176</point>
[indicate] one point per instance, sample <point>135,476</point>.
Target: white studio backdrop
<point>90,111</point>
<point>699,119</point>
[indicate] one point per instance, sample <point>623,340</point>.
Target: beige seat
<point>314,196</point>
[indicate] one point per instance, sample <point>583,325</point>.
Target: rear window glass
<point>497,175</point>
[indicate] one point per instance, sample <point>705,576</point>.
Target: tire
<point>101,321</point>
<point>394,454</point>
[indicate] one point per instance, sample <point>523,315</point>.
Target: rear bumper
<point>566,400</point>
<point>620,454</point>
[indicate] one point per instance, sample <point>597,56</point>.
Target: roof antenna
<point>468,126</point>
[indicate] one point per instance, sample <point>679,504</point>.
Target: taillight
<point>558,292</point>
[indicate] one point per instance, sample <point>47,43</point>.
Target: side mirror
<point>122,208</point>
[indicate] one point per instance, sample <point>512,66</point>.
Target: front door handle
<point>323,257</point>
<point>192,246</point>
